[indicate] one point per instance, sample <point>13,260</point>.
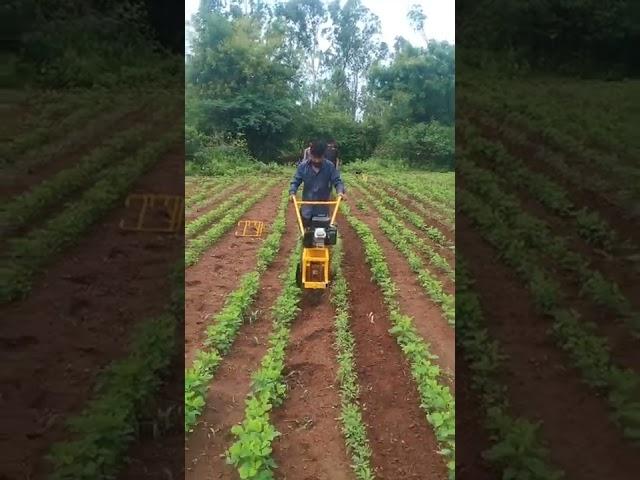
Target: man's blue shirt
<point>317,186</point>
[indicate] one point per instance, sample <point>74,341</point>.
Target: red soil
<point>541,383</point>
<point>77,320</point>
<point>205,446</point>
<point>218,272</point>
<point>311,446</point>
<point>413,300</point>
<point>403,444</point>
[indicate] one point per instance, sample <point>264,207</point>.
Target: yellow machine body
<point>315,267</point>
<point>315,261</point>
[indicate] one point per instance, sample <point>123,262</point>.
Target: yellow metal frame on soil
<point>315,255</point>
<point>173,203</point>
<point>256,225</point>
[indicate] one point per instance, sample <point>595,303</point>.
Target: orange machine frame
<point>314,256</point>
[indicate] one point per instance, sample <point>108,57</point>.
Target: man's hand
<point>343,196</point>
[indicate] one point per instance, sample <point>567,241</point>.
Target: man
<point>332,153</point>
<point>318,176</point>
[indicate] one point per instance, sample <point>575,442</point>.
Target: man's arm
<point>336,180</point>
<point>296,181</point>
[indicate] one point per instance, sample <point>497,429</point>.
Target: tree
<point>244,83</point>
<point>417,18</point>
<point>354,48</point>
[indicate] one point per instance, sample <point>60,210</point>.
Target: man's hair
<point>318,148</point>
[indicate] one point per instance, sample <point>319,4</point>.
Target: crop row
<point>353,427</point>
<point>223,329</point>
<point>251,451</point>
<point>203,191</point>
<point>402,238</point>
<point>107,426</point>
<point>40,135</point>
<point>589,224</point>
<point>195,227</point>
<point>422,204</point>
<point>436,399</point>
<point>536,233</point>
<point>28,255</point>
<point>588,352</point>
<point>432,232</point>
<point>21,210</point>
<point>580,109</point>
<point>435,260</point>
<point>201,244</point>
<point>420,195</point>
<point>216,195</point>
<point>625,178</point>
<point>516,448</point>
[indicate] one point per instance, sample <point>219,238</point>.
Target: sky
<point>440,23</point>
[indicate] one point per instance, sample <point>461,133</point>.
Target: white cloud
<point>440,23</point>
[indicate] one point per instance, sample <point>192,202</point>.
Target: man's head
<point>317,152</point>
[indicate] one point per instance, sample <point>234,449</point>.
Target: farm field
<point>78,295</point>
<point>357,384</point>
<point>548,213</point>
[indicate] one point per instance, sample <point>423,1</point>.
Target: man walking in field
<point>318,175</point>
<point>332,153</point>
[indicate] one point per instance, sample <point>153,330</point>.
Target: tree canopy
<point>276,74</point>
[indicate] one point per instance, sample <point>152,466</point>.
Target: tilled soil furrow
<point>109,282</point>
<point>208,282</point>
<point>403,446</point>
<point>206,445</point>
<point>540,381</point>
<point>413,300</point>
<point>311,445</point>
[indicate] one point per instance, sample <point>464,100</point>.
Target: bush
<point>423,145</point>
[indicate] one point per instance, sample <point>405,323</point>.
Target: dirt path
<point>541,383</point>
<point>311,446</point>
<point>218,272</point>
<point>403,445</point>
<point>205,446</point>
<point>414,301</point>
<point>77,320</point>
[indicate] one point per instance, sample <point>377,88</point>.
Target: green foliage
<point>502,223</point>
<point>353,426</point>
<point>85,44</point>
<point>241,81</point>
<point>437,401</point>
<point>577,36</point>
<point>107,426</point>
<point>222,331</point>
<point>251,452</point>
<point>423,145</point>
<point>516,447</point>
<point>29,255</point>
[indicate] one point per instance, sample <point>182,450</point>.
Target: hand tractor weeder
<point>313,271</point>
